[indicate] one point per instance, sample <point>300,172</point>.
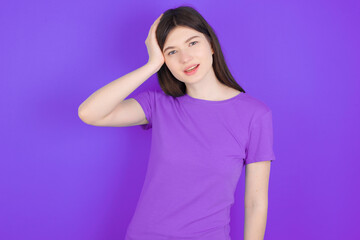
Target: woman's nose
<point>185,57</point>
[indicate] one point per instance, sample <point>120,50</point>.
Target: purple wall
<point>63,179</point>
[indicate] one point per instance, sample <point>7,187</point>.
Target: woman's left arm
<point>256,199</point>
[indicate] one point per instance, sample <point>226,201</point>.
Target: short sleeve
<point>146,99</point>
<point>260,142</point>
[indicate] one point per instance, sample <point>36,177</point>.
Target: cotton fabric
<point>198,150</point>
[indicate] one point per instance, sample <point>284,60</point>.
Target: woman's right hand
<point>156,56</point>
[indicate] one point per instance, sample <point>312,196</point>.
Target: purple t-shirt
<point>198,149</point>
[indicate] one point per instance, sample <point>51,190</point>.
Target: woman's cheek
<point>171,66</point>
<point>172,69</point>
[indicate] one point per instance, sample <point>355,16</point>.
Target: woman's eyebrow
<point>185,42</point>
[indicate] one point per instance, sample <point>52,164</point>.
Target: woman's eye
<point>170,53</point>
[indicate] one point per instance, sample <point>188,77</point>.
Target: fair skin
<point>205,85</point>
<point>256,199</point>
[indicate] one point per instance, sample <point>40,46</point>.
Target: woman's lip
<point>190,67</point>
<point>192,71</point>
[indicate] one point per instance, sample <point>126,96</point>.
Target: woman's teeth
<point>191,68</point>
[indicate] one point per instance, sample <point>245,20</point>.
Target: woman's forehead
<point>180,33</point>
<point>182,29</point>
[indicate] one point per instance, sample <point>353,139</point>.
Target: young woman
<point>205,128</point>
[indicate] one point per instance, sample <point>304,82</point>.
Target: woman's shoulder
<point>153,93</point>
<point>159,94</point>
<point>255,104</point>
<point>156,96</point>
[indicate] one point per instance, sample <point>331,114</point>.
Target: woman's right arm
<point>97,108</point>
<point>107,107</point>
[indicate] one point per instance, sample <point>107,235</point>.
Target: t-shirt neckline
<point>198,100</point>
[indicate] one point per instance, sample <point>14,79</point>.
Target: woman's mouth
<point>192,70</point>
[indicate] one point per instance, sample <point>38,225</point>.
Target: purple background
<point>63,179</point>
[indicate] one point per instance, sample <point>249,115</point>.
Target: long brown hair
<point>188,17</point>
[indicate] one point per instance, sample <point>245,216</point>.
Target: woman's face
<point>185,47</point>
